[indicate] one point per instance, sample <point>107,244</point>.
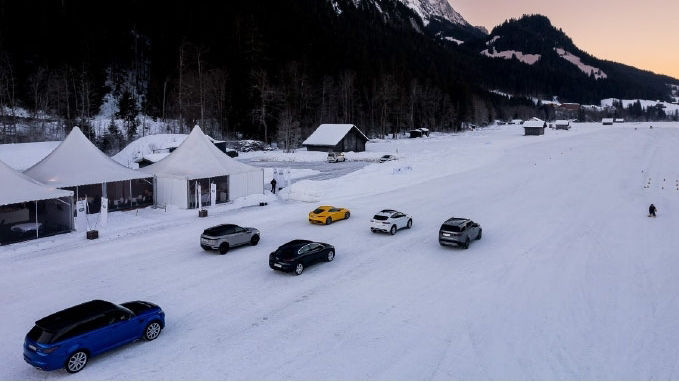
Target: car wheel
<point>205,247</point>
<point>328,221</point>
<point>254,240</point>
<point>299,269</point>
<point>372,230</point>
<point>466,244</point>
<point>76,361</point>
<point>393,230</point>
<point>152,331</point>
<point>410,223</point>
<point>331,256</point>
<point>347,214</point>
<point>480,233</point>
<point>223,248</point>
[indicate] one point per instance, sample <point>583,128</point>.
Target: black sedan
<point>298,254</point>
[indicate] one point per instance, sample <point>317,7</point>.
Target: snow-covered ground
<point>669,108</point>
<point>570,281</point>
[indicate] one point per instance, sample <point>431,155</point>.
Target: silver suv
<point>226,236</point>
<point>459,231</point>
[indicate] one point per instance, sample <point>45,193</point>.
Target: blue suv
<point>70,337</point>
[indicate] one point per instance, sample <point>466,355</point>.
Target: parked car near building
<point>70,337</point>
<point>390,221</point>
<point>336,157</point>
<point>226,236</point>
<point>296,255</point>
<point>460,232</point>
<point>387,158</point>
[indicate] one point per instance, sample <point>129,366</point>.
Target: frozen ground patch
<point>570,281</point>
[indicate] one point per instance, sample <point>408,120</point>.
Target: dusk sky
<point>644,34</point>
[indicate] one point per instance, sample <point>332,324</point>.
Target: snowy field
<point>571,280</point>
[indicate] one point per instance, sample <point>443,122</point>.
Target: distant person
<point>273,185</point>
<point>651,210</point>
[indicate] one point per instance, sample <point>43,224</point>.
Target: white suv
<point>336,157</point>
<point>390,221</point>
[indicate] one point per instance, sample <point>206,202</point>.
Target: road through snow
<point>570,281</point>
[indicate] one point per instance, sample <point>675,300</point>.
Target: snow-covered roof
<point>330,134</point>
<point>196,158</point>
<point>76,162</point>
<point>18,188</point>
<point>155,157</point>
<point>562,122</point>
<point>607,120</point>
<point>534,123</point>
<point>21,156</point>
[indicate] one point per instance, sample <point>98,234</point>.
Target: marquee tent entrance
<point>79,166</point>
<point>198,169</point>
<point>30,210</point>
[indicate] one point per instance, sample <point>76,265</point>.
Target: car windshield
<point>380,217</point>
<point>318,210</point>
<point>386,157</point>
<point>450,228</point>
<point>40,335</point>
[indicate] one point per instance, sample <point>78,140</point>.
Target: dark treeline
<point>271,70</point>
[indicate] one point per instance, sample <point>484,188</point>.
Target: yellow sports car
<point>328,214</point>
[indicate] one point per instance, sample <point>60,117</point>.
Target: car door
<point>227,235</point>
<point>122,327</point>
<point>303,255</point>
<point>315,252</point>
<point>92,334</point>
<point>399,220</point>
<point>240,236</point>
<point>475,230</point>
<point>472,230</point>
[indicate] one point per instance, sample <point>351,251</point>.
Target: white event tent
<point>77,165</point>
<point>29,210</point>
<point>197,164</point>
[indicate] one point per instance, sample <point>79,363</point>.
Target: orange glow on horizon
<point>643,34</point>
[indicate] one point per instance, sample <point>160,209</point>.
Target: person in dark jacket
<point>273,185</point>
<point>651,210</point>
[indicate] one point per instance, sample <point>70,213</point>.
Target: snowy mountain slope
<point>429,9</point>
<point>570,281</point>
<point>589,70</point>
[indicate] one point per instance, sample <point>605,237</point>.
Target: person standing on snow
<point>651,210</point>
<point>273,185</point>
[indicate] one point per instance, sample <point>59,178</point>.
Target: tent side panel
<point>245,184</point>
<point>171,191</point>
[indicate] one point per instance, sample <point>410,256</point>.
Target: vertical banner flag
<point>213,194</point>
<point>103,213</point>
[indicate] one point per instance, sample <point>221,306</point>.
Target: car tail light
<point>48,350</point>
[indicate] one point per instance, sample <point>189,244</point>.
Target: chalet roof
<point>331,134</point>
<point>534,123</point>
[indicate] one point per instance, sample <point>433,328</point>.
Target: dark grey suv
<point>226,236</point>
<point>460,232</point>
